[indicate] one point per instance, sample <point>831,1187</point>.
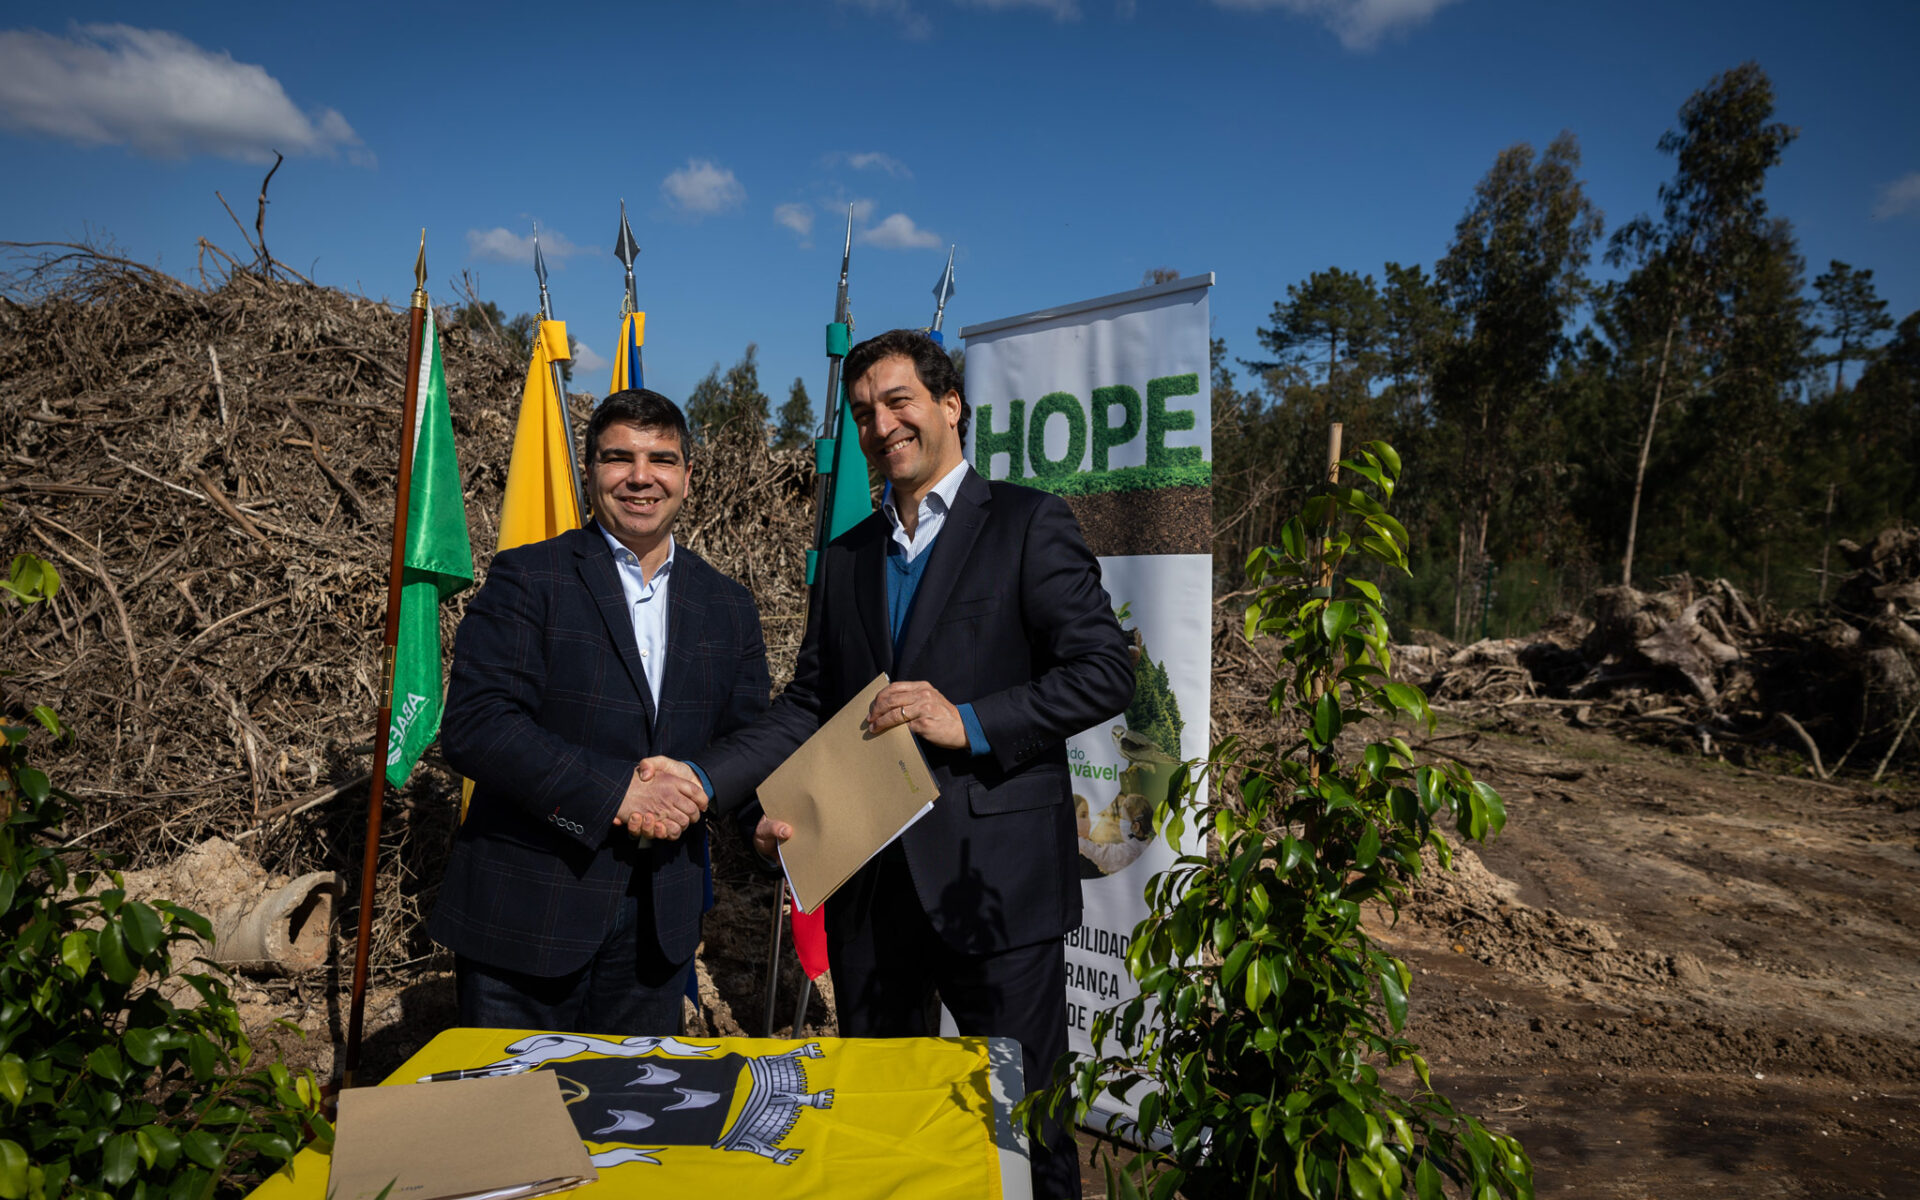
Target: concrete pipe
<point>283,932</point>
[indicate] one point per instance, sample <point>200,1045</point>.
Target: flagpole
<point>626,250</point>
<point>559,381</point>
<point>827,455</point>
<point>376,795</point>
<point>839,340</point>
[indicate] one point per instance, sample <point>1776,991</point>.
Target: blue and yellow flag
<point>627,367</point>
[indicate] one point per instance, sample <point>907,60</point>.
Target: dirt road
<point>1672,978</point>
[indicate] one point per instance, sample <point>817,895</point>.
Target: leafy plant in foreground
<point>1266,1013</point>
<point>108,1087</point>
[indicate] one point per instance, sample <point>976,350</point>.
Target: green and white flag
<point>438,564</point>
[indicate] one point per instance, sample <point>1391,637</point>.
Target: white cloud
<point>898,232</point>
<point>584,359</point>
<point>1899,197</point>
<point>914,25</point>
<point>797,217</point>
<point>872,160</point>
<point>703,187</point>
<point>500,244</point>
<point>159,94</point>
<point>1359,24</point>
<point>1062,10</point>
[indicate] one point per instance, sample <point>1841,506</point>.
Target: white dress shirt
<point>647,605</point>
<point>932,515</point>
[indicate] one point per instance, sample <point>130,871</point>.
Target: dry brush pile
<point>211,470</point>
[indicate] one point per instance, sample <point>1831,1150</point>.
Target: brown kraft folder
<point>847,793</point>
<point>509,1136</point>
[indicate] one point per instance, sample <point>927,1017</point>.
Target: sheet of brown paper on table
<point>509,1136</point>
<point>847,793</point>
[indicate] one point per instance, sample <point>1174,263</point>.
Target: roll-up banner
<point>1108,404</point>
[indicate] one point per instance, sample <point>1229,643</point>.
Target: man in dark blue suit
<point>983,604</point>
<point>572,900</point>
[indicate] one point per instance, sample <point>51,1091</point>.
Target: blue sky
<point>1065,146</point>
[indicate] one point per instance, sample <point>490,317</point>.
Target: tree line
<point>1701,408</point>
<point>1704,409</point>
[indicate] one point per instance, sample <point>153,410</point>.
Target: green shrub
<point>1266,1014</point>
<point>107,1086</point>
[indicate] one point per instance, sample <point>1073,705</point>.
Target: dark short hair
<point>931,363</point>
<point>638,406</point>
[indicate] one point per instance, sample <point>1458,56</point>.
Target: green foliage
<point>1334,318</point>
<point>730,398</point>
<point>795,429</point>
<point>31,580</point>
<point>1267,1016</point>
<point>1712,401</point>
<point>1852,313</point>
<point>108,1086</point>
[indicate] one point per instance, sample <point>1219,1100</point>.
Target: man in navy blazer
<point>581,656</point>
<point>983,604</point>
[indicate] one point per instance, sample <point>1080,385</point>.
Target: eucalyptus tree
<point>1513,277</point>
<point>1671,316</point>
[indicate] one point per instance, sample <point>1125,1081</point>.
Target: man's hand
<point>663,798</point>
<point>921,708</point>
<point>768,835</point>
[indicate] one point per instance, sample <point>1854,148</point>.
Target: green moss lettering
<point>1065,404</point>
<point>1161,420</point>
<point>1105,436</point>
<point>1011,441</point>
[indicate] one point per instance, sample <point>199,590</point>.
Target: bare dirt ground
<point>1677,978</point>
<point>1669,977</point>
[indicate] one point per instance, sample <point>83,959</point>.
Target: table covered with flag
<point>840,1117</point>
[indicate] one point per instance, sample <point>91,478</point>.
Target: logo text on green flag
<point>438,564</point>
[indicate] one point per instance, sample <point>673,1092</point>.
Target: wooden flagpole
<point>376,794</point>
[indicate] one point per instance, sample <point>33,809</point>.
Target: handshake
<point>664,797</point>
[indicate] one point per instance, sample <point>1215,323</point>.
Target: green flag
<point>438,565</point>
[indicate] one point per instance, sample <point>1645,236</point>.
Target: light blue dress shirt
<point>647,605</point>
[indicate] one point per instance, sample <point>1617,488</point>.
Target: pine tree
<point>796,426</point>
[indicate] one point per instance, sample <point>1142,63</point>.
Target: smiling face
<point>909,435</point>
<point>640,480</point>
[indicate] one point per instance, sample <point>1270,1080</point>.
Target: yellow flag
<point>854,1119</point>
<point>540,501</point>
<point>633,335</point>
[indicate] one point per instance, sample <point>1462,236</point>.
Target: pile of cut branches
<point>211,469</point>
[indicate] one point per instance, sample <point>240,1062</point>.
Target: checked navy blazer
<point>548,711</point>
